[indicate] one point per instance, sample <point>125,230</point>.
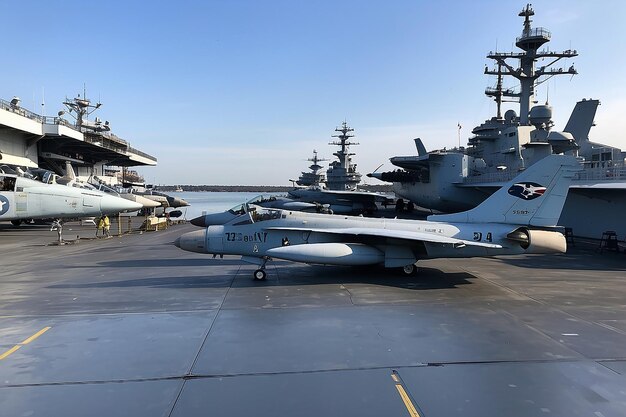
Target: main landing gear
<point>260,274</point>
<point>409,270</point>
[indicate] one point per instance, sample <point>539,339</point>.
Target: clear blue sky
<point>241,92</point>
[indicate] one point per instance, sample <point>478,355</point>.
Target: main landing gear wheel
<point>16,223</point>
<point>260,275</point>
<point>409,270</point>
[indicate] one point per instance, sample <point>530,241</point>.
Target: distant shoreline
<point>256,188</point>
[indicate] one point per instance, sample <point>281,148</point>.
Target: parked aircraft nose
<point>192,241</point>
<point>110,204</point>
<point>176,202</point>
<point>145,202</point>
<point>213,219</point>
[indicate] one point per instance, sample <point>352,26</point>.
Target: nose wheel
<point>260,274</point>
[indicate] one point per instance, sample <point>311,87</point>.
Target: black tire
<point>16,222</point>
<point>260,275</point>
<point>409,270</point>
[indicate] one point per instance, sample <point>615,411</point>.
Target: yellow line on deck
<point>404,396</point>
<point>35,336</point>
<point>407,401</point>
<point>25,342</point>
<point>8,352</point>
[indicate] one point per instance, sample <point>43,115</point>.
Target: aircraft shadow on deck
<point>579,261</point>
<point>158,282</point>
<point>425,279</point>
<point>280,275</point>
<point>170,263</point>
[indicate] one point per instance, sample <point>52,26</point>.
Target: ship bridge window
<point>7,183</point>
<point>511,134</point>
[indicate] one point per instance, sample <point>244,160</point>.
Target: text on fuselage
<point>240,237</point>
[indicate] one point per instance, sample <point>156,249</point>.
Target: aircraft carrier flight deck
<point>132,326</point>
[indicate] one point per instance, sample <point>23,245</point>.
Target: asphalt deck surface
<point>133,326</point>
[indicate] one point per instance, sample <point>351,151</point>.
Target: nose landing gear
<point>260,274</point>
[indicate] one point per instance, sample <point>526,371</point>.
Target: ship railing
<point>53,120</point>
<point>602,171</point>
<point>108,135</point>
<point>504,54</point>
<point>5,105</point>
<point>489,177</point>
<point>138,152</point>
<point>588,173</point>
<point>535,33</point>
<point>99,140</point>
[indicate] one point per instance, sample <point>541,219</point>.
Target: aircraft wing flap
<point>393,234</point>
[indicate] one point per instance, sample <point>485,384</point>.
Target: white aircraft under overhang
<point>23,199</point>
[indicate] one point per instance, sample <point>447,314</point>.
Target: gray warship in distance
<point>340,193</point>
<point>342,174</point>
<point>459,179</point>
<point>314,176</point>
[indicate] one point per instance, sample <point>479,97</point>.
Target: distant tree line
<point>384,188</point>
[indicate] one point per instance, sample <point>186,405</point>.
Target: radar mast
<point>342,174</point>
<point>524,70</point>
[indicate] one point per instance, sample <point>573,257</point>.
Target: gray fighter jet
<point>342,202</point>
<point>23,199</point>
<point>517,219</point>
<point>263,200</point>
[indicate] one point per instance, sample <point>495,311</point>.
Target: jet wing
<point>392,234</point>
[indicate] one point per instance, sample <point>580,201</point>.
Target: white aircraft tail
<point>535,197</point>
<point>69,172</point>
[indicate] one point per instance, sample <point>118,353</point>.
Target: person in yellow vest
<point>106,225</point>
<point>99,225</point>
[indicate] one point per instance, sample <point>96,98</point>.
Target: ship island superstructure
<point>458,179</point>
<point>342,174</point>
<point>315,176</point>
<point>30,140</point>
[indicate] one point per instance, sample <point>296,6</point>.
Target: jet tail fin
<point>535,197</point>
<point>70,175</point>
<point>581,119</point>
<point>419,145</point>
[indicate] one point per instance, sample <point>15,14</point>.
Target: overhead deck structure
<point>30,140</point>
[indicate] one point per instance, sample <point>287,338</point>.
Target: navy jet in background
<point>509,222</point>
<point>23,199</point>
<point>263,200</point>
<point>342,202</point>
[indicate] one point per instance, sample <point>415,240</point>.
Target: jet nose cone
<point>213,219</point>
<point>193,241</point>
<point>111,204</point>
<point>176,202</point>
<point>199,221</point>
<point>182,203</point>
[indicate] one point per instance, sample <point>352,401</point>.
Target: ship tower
<point>342,175</point>
<point>525,68</point>
<point>313,177</point>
